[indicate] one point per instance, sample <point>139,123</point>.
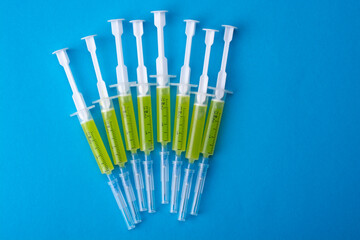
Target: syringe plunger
<point>121,69</point>
<point>203,83</point>
<point>83,113</point>
<point>221,79</point>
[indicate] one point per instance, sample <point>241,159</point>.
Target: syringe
<point>196,127</point>
<point>145,116</point>
<point>162,105</point>
<point>212,122</point>
<point>113,131</point>
<point>181,118</point>
<point>92,134</point>
<point>127,113</point>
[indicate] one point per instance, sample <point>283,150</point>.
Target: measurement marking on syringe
<point>129,130</point>
<point>129,122</point>
<point>145,123</point>
<point>163,114</point>
<point>181,122</point>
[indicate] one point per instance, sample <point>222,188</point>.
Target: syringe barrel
<point>163,114</point>
<point>181,121</point>
<point>196,131</point>
<point>96,144</point>
<point>129,123</point>
<point>113,133</point>
<point>212,127</point>
<point>145,124</point>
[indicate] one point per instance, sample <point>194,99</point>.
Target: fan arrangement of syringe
<point>202,134</point>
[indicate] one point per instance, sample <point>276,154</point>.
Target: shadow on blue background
<point>286,165</point>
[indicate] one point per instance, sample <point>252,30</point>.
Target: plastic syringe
<point>213,122</point>
<point>162,105</point>
<point>113,131</point>
<point>127,113</point>
<point>145,116</point>
<point>181,118</point>
<point>96,144</point>
<point>196,127</point>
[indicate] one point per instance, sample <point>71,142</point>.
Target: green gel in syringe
<point>196,132</point>
<point>181,121</point>
<point>97,146</point>
<point>145,124</point>
<point>163,115</point>
<point>114,137</point>
<point>129,123</point>
<point>212,127</point>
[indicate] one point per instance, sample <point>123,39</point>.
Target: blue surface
<point>286,165</point>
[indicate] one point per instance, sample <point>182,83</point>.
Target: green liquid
<point>97,146</point>
<point>163,114</point>
<point>212,127</point>
<point>129,123</point>
<point>114,137</point>
<point>181,123</point>
<point>145,124</point>
<point>196,132</point>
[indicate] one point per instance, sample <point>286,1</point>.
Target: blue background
<point>286,165</point>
